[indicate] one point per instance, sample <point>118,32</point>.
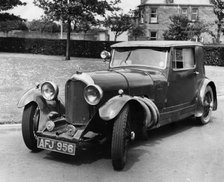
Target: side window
<point>183,58</point>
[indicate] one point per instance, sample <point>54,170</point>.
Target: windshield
<point>150,57</point>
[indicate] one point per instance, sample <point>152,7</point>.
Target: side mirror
<point>105,55</point>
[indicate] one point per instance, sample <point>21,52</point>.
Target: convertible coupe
<point>148,84</point>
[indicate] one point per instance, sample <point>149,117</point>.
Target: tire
<point>120,138</point>
<point>208,103</point>
<point>30,122</point>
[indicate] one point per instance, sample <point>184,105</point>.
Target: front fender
<point>46,107</point>
<point>32,95</point>
<point>112,107</point>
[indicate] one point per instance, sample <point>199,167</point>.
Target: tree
<point>9,22</point>
<point>84,26</point>
<point>119,23</point>
<point>137,31</point>
<point>75,11</point>
<point>178,29</point>
<point>9,25</point>
<point>7,16</point>
<point>183,29</point>
<point>197,28</point>
<point>7,5</point>
<point>219,12</point>
<point>44,25</point>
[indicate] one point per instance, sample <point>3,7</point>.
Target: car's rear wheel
<point>208,103</point>
<point>120,138</point>
<point>30,121</point>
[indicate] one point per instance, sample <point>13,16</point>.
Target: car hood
<point>133,82</point>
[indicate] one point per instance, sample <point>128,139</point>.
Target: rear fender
<point>200,97</point>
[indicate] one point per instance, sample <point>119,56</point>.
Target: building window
<point>153,16</point>
<point>141,16</point>
<point>183,59</point>
<point>194,14</point>
<point>191,13</point>
<point>169,1</point>
<point>153,35</point>
<point>184,11</point>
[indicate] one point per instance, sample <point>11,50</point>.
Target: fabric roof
<point>156,44</point>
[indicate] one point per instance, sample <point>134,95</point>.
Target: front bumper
<point>80,137</point>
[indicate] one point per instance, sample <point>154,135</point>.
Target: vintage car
<point>148,84</point>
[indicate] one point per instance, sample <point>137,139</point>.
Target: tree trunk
<point>115,37</point>
<point>218,32</point>
<point>68,40</point>
<point>61,31</point>
<point>84,36</point>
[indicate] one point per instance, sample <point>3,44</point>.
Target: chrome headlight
<point>105,55</point>
<point>49,90</point>
<point>93,94</point>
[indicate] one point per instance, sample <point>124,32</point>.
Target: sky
<point>30,11</point>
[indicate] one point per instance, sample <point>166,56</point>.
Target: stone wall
<point>164,12</point>
<point>163,20</point>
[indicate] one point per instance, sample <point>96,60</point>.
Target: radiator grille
<point>77,110</point>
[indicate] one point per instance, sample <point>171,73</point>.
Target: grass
<point>20,72</point>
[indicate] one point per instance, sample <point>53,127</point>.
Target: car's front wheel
<point>207,105</point>
<point>120,138</point>
<point>30,122</point>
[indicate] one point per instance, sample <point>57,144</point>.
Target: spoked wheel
<point>120,137</point>
<point>30,121</point>
<point>208,103</point>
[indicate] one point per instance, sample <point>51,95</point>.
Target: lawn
<point>20,72</point>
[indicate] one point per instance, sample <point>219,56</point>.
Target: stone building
<point>154,15</point>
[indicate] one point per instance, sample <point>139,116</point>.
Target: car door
<point>182,79</point>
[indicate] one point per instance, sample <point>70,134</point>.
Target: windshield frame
<point>167,50</point>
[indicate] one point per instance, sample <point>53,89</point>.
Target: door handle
<point>196,72</point>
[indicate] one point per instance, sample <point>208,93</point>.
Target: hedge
<point>79,48</point>
<point>214,54</point>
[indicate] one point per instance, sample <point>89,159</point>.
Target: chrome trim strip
<point>84,77</point>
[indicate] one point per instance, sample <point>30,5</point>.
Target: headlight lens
<point>93,94</point>
<point>105,55</point>
<point>49,90</point>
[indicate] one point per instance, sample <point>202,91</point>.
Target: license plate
<point>56,145</point>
